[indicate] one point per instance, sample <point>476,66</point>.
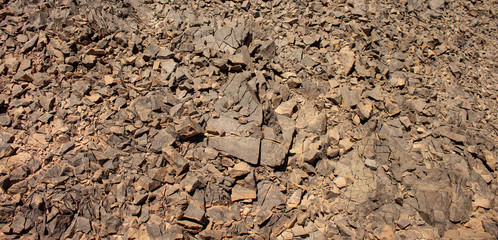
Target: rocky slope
<point>209,119</point>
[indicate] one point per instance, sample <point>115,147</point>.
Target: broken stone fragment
<point>347,59</point>
<point>365,109</point>
<point>239,169</point>
<point>188,128</point>
<point>489,159</point>
<point>194,212</point>
<point>272,153</point>
<point>453,135</point>
<point>350,98</point>
<point>224,126</point>
<point>340,182</point>
<point>242,193</point>
<point>189,224</point>
<point>96,52</point>
<point>179,163</point>
<point>161,140</point>
<point>245,148</point>
<point>286,108</point>
<point>294,200</point>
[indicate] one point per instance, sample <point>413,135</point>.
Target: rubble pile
<point>248,119</point>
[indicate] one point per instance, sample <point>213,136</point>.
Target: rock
<point>162,140</point>
<point>403,223</point>
<point>29,44</point>
<point>224,125</point>
<point>489,158</point>
<point>83,225</point>
<point>187,128</point>
<point>453,136</point>
<point>219,213</point>
<point>463,233</point>
<point>294,200</point>
<point>286,108</point>
<point>194,212</point>
<point>482,202</point>
<point>6,150</point>
<point>346,61</point>
<point>179,163</point>
<point>96,52</point>
<point>365,109</point>
<point>273,154</point>
<point>385,232</point>
<point>244,148</point>
<point>340,182</point>
<point>371,163</point>
<point>436,4</point>
<point>242,193</point>
<point>152,50</point>
<point>66,147</point>
<point>189,224</point>
<point>239,169</point>
<point>350,98</point>
<point>248,119</point>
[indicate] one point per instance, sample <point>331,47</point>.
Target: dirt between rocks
<point>248,119</point>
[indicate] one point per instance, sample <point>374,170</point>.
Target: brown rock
<point>242,193</point>
<point>239,169</point>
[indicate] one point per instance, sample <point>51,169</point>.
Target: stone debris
<point>248,119</point>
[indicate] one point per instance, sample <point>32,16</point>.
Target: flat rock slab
<point>241,193</point>
<point>245,148</point>
<point>272,153</point>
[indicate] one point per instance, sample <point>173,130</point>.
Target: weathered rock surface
<point>250,119</point>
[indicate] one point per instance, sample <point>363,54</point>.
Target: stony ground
<point>209,119</point>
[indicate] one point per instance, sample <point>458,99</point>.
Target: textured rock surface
<point>248,119</point>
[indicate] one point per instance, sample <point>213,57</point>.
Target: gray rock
<point>161,140</point>
<point>83,224</point>
<point>245,148</point>
<point>273,154</point>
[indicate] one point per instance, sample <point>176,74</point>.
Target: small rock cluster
<point>248,119</point>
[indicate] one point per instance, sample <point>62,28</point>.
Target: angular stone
<point>219,213</point>
<point>453,136</point>
<point>350,98</point>
<point>272,153</point>
<point>239,169</point>
<point>188,128</point>
<point>179,163</point>
<point>340,182</point>
<point>347,60</point>
<point>294,200</point>
<point>96,52</point>
<point>161,140</point>
<point>489,159</point>
<point>286,108</point>
<point>6,150</point>
<point>17,224</point>
<point>66,147</point>
<point>224,126</point>
<point>194,212</point>
<point>189,224</point>
<point>365,110</point>
<point>242,193</point>
<point>83,224</point>
<point>245,148</point>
